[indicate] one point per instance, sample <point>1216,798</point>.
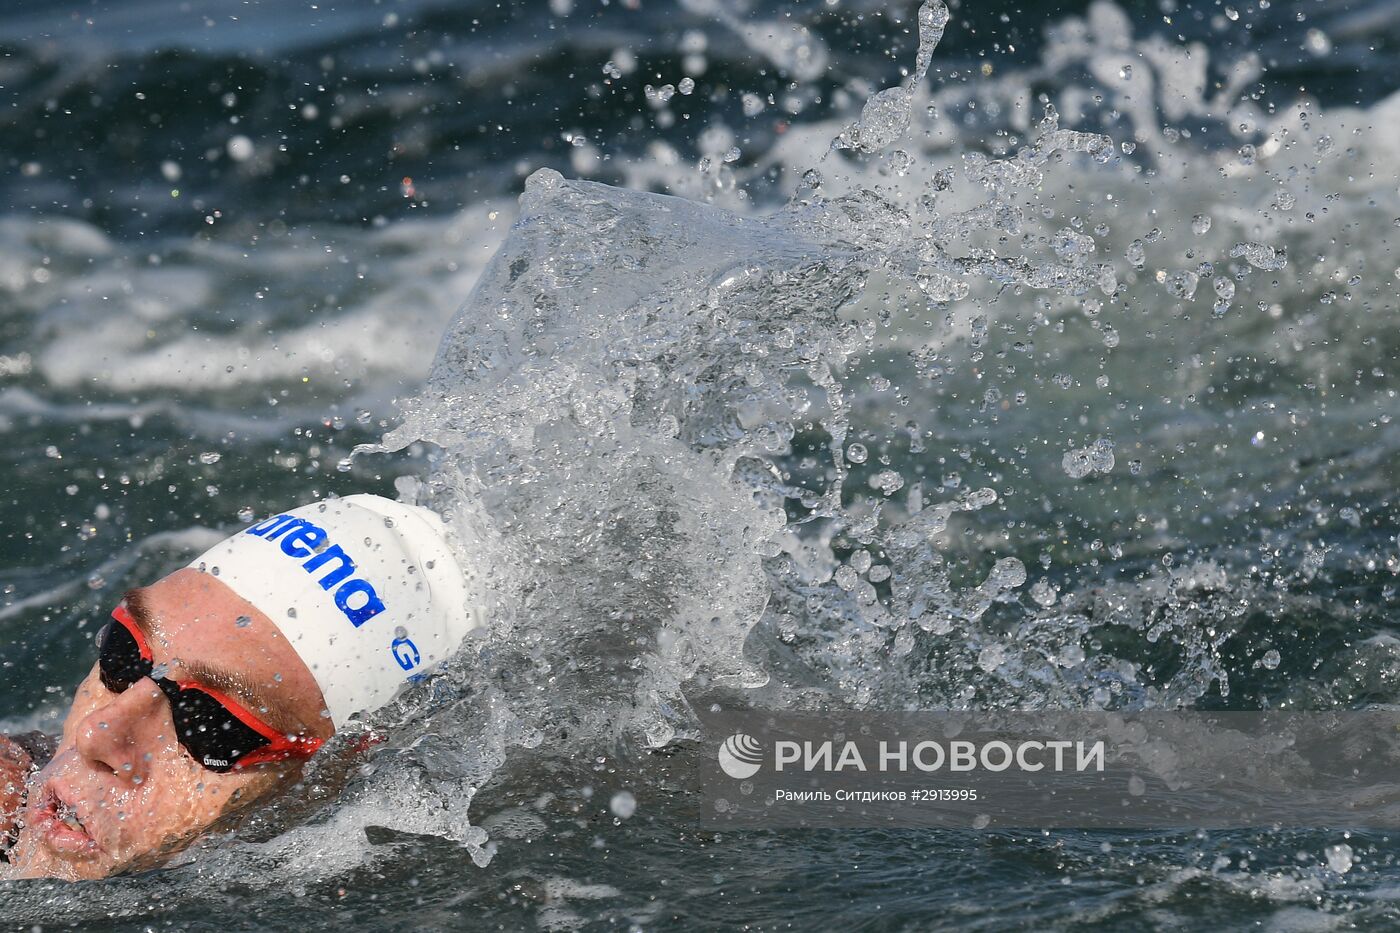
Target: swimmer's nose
<point>125,734</point>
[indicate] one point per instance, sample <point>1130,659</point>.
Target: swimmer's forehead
<point>214,649</point>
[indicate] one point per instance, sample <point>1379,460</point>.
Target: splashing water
<point>649,403</point>
<point>886,115</point>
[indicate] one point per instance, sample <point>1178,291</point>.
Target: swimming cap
<point>365,589</point>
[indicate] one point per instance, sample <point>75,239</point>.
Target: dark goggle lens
<point>119,658</point>
<point>208,731</point>
<point>204,726</point>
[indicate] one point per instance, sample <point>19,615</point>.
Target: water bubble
<point>1271,659</point>
<point>1247,154</point>
<point>856,453</point>
<point>209,457</point>
<point>1200,224</point>
<point>686,86</point>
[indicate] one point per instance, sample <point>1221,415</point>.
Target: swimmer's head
<point>216,683</point>
<point>366,590</point>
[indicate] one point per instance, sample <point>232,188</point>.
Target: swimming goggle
<point>212,727</point>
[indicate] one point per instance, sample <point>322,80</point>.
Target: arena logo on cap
<point>303,539</point>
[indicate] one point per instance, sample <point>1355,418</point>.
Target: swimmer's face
<point>132,793</point>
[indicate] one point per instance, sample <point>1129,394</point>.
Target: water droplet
<point>1340,858</point>
<point>1096,458</point>
<point>1043,593</point>
<point>623,804</point>
<point>887,481</point>
<point>240,148</point>
<point>1180,284</point>
<point>1260,255</point>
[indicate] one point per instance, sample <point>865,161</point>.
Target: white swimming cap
<point>365,589</point>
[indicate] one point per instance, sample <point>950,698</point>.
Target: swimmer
<point>213,686</point>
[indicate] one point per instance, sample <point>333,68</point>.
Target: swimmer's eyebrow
<point>233,683</point>
<point>242,689</point>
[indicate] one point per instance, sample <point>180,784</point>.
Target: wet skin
<point>129,790</point>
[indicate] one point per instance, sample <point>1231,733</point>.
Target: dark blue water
<point>232,235</point>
